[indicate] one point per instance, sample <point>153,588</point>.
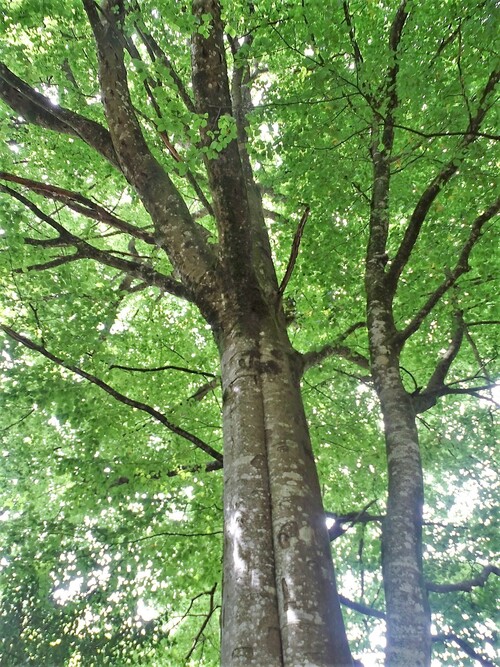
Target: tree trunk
<point>280,604</point>
<point>408,612</point>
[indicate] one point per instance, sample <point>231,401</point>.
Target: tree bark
<point>408,613</point>
<point>280,604</point>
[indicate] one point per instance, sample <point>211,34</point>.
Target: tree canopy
<point>112,491</point>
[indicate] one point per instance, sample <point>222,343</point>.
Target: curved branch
<point>80,204</point>
<point>315,357</point>
<point>467,584</point>
<point>39,110</point>
<point>461,267</point>
<point>436,185</point>
<point>437,379</point>
<point>361,608</point>
<point>162,368</point>
<point>138,405</point>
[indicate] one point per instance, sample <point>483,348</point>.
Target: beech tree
<point>234,237</point>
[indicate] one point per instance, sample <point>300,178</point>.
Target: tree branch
<point>293,255</point>
<point>434,188</point>
<point>87,251</point>
<point>358,58</point>
<point>213,607</point>
<point>162,368</point>
<point>80,204</point>
<point>361,608</point>
<point>461,267</point>
<point>315,357</point>
<point>465,646</point>
<point>448,637</point>
<point>175,229</point>
<point>432,135</point>
<point>138,405</point>
<point>437,379</point>
<point>39,110</point>
<point>467,584</point>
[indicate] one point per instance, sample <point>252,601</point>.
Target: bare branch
<point>358,58</point>
<point>52,264</point>
<point>162,368</point>
<point>180,470</point>
<point>432,135</point>
<point>138,405</point>
<point>361,608</point>
<point>213,607</point>
<point>6,428</point>
<point>437,379</point>
<point>293,255</point>
<point>467,584</point>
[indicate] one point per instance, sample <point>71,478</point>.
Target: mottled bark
<point>408,612</point>
<point>280,604</point>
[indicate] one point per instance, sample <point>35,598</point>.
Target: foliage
<point>111,522</point>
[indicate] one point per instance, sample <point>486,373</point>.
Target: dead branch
<point>293,255</point>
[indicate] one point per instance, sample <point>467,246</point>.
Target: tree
<point>157,194</point>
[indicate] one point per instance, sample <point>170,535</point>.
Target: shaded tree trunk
<point>280,604</point>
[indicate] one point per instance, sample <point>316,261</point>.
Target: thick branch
<point>149,84</point>
<point>461,267</point>
<point>437,379</point>
<point>39,110</point>
<point>138,405</point>
<point>361,608</point>
<point>225,172</point>
<point>434,188</point>
<point>176,231</point>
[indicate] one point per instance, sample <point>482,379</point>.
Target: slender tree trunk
<point>408,612</point>
<point>280,604</point>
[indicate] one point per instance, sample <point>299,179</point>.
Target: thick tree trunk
<point>408,613</point>
<point>280,604</point>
